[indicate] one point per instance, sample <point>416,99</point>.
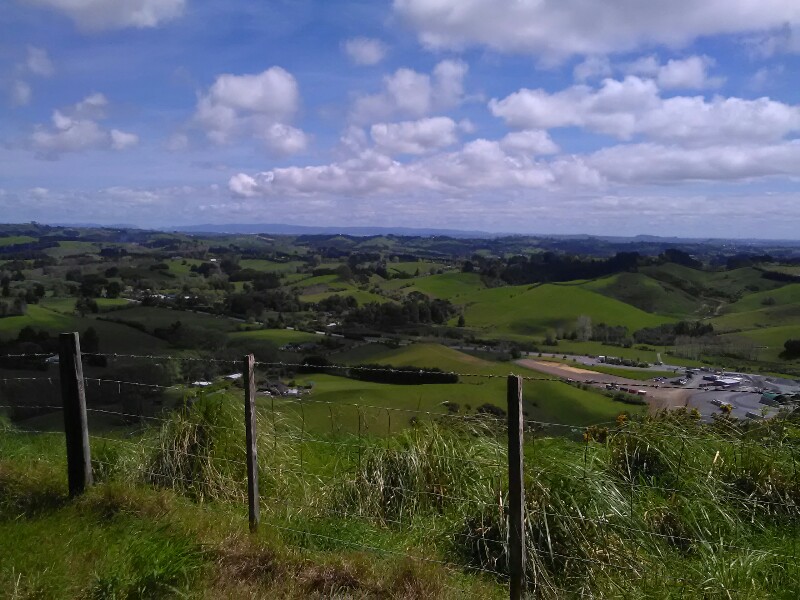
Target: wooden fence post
<point>252,444</point>
<point>516,490</point>
<point>79,458</point>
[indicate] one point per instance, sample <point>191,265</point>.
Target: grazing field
<point>156,317</point>
<point>16,239</point>
<point>269,265</point>
<point>67,305</point>
<point>537,310</point>
<point>447,286</point>
<point>646,293</point>
<point>278,336</point>
<point>771,339</point>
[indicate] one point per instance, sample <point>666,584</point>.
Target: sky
<point>611,117</point>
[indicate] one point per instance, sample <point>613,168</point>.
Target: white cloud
<point>76,129</point>
<point>556,29</point>
<point>415,137</point>
<point>243,185</point>
<point>284,140</point>
<point>365,51</point>
<point>531,141</point>
<point>412,94</point>
<point>592,67</point>
<point>686,73</point>
<point>120,140</point>
<point>657,163</point>
<point>781,40</point>
<point>478,166</point>
<point>253,106</point>
<point>38,62</point>
<point>634,107</point>
<point>97,15</point>
<point>20,93</point>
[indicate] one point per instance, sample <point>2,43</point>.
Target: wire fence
<point>670,502</point>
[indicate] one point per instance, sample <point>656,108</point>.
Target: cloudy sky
<point>545,116</point>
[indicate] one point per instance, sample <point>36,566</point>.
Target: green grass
<point>772,338</point>
<point>537,310</point>
<point>647,294</point>
<point>268,265</point>
<point>600,349</point>
<point>16,239</point>
<point>448,286</point>
<point>67,305</point>
<point>632,373</point>
<point>788,294</point>
<point>277,336</point>
<point>650,508</point>
<point>153,317</point>
<point>546,401</point>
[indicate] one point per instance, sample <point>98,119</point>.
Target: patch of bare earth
<point>658,398</point>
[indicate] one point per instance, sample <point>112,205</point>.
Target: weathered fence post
<point>516,490</point>
<point>73,398</point>
<point>252,444</point>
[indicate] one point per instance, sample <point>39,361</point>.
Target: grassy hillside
<point>545,400</point>
<point>535,310</point>
<point>647,294</point>
<point>713,516</point>
<point>447,286</point>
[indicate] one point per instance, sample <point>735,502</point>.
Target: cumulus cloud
<point>531,141</point>
<point>412,94</point>
<point>686,73</point>
<point>97,15</point>
<point>633,106</point>
<point>658,163</point>
<point>415,137</point>
<point>121,140</point>
<point>253,106</point>
<point>478,166</point>
<point>365,51</point>
<point>592,67</point>
<point>557,29</point>
<point>76,129</point>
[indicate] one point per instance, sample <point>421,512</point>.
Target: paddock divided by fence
<point>617,507</point>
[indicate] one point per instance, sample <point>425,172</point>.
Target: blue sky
<point>621,117</point>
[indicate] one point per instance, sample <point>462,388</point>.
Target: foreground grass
<point>657,507</point>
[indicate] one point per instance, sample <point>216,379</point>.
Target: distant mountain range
<point>277,228</point>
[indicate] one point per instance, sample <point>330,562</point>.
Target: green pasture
<point>646,293</point>
<point>773,316</point>
<point>67,305</point>
<point>411,267</point>
<point>16,239</point>
<point>156,317</point>
<point>537,310</point>
<point>630,373</point>
<point>278,336</point>
<point>772,338</point>
<point>73,248</point>
<point>455,287</point>
<point>600,349</point>
<point>260,264</point>
<point>788,294</point>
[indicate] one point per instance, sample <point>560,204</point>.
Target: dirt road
<point>658,398</point>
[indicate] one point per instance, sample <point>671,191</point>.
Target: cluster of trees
<point>254,303</point>
<point>666,334</point>
<point>180,335</point>
<point>402,375</point>
<point>791,350</point>
<point>415,309</point>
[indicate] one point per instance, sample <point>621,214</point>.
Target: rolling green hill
<point>647,294</point>
<point>536,310</point>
